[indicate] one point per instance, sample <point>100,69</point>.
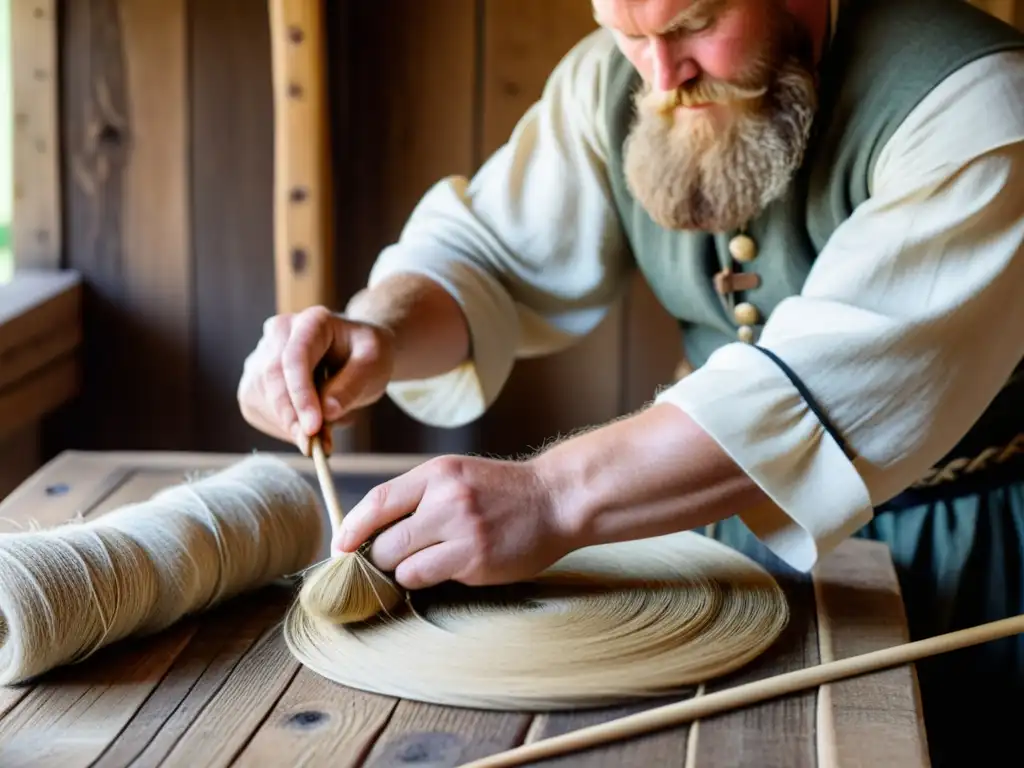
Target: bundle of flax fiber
<point>67,591</point>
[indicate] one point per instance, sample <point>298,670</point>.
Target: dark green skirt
<point>959,564</point>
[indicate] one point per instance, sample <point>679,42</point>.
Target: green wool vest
<point>885,57</point>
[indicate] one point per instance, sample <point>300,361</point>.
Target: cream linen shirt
<point>910,321</point>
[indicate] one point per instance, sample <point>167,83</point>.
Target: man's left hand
<point>471,520</point>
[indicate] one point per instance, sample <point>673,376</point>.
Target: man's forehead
<point>650,16</point>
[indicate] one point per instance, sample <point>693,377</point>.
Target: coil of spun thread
<point>604,625</point>
<point>68,591</point>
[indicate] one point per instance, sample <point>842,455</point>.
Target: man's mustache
<point>705,90</point>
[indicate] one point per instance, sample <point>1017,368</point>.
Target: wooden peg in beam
<point>303,260</point>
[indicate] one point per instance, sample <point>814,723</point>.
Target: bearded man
<point>829,196</point>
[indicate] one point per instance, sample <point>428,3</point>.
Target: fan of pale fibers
<point>604,625</point>
<point>348,587</point>
<point>68,591</point>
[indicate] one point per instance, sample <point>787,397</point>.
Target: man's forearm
<point>653,473</point>
<point>430,332</point>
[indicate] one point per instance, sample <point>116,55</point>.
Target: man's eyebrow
<point>696,9</point>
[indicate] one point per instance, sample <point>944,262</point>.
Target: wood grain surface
<point>221,688</point>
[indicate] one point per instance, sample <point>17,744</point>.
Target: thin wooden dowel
<point>750,693</point>
<point>326,480</point>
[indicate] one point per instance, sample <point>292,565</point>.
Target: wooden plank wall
<point>413,120</point>
<point>168,168</point>
<point>166,165</point>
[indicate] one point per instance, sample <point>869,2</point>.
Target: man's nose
<point>671,65</point>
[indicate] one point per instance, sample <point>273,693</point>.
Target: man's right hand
<point>277,393</point>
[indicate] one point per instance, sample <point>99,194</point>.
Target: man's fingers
<point>403,539</point>
<point>432,566</point>
<point>270,427</point>
<point>262,391</point>
<point>309,341</point>
<point>360,376</point>
<point>341,393</point>
<point>279,400</point>
<point>382,506</point>
<point>333,411</point>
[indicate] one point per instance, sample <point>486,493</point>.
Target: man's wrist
<point>367,308</point>
<point>572,503</point>
<point>650,474</point>
<point>423,324</point>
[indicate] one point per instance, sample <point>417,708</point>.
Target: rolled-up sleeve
<point>531,248</point>
<point>907,327</point>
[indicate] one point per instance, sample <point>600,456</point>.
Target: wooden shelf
<point>40,334</point>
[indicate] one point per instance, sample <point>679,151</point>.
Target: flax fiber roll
<point>67,591</point>
<point>604,625</point>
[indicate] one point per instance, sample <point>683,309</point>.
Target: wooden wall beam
<point>40,306</point>
<point>303,259</point>
<point>36,236</point>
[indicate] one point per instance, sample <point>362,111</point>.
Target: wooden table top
<point>221,689</point>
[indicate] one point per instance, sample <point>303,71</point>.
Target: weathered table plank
<point>426,734</point>
<point>199,672</point>
<point>875,719</point>
<point>318,723</point>
<point>661,748</point>
<point>224,726</point>
<point>70,719</point>
<point>780,732</point>
<point>221,689</point>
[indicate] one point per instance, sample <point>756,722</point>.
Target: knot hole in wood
<point>307,719</point>
<point>436,748</point>
<point>111,135</point>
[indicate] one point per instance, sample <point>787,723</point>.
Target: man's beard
<point>714,172</point>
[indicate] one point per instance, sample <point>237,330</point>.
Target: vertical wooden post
<point>36,225</point>
<point>302,177</point>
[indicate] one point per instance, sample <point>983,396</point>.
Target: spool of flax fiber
<point>67,591</point>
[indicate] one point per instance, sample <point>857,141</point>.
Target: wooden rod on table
<point>303,263</point>
<point>750,693</point>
